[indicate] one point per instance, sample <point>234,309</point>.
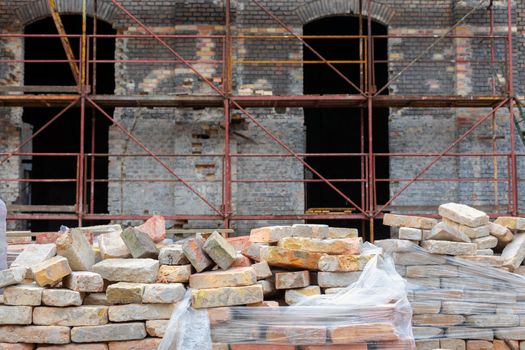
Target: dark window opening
<point>63,136</point>
<point>333,130</point>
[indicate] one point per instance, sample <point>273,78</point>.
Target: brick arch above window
<point>324,8</point>
<point>39,9</point>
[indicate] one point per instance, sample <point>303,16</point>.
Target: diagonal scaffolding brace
<point>443,154</point>
<point>64,39</point>
<point>315,52</point>
<point>430,47</point>
<point>251,117</point>
<point>153,155</point>
<point>39,131</point>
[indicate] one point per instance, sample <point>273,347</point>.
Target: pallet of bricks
<point>284,287</point>
<point>465,276</point>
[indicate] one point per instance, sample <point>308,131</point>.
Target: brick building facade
<point>199,133</point>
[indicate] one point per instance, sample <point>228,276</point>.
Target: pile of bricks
<point>467,233</point>
<point>465,276</point>
<point>122,294</point>
<point>291,263</point>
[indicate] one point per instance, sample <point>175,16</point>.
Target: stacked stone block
<point>461,286</point>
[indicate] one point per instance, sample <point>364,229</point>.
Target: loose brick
<point>174,274</point>
<point>437,320</point>
<point>413,234</point>
<point>241,261</point>
<point>514,253</point>
<point>342,232</point>
<point>219,250</point>
<point>261,347</point>
<point>342,263</point>
<point>172,255</point>
<point>513,333</point>
<point>128,270</point>
<point>479,345</point>
<point>363,333</point>
<point>493,321</point>
<point>289,280</point>
<point>96,299</point>
<point>453,344</point>
<point>426,307</point>
<point>15,315</point>
<point>108,332</point>
<point>262,270</point>
<point>502,233</point>
<point>467,308</point>
<point>74,246</point>
<point>195,254</point>
<point>12,276</point>
<point>34,254</point>
<point>462,332</point>
<point>227,296</point>
<point>140,312</point>
<point>112,246</point>
<point>347,246</point>
<point>444,232</point>
<point>337,279</point>
<point>432,271</point>
<point>296,334</point>
<point>289,258</point>
<point>156,328</point>
<point>51,271</point>
<point>143,344</point>
<point>84,281</point>
<point>310,231</point>
<point>35,334</point>
<point>268,287</point>
<point>155,227</point>
<point>139,243</point>
<point>513,223</point>
<point>70,316</point>
<point>487,242</point>
<point>163,293</point>
<point>463,214</point>
<point>271,234</point>
<point>293,296</point>
<point>449,248</point>
<point>408,221</point>
<point>23,294</point>
<point>236,277</point>
<point>124,293</point>
<point>61,297</point>
<point>471,232</point>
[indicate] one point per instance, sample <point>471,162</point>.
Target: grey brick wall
<point>201,133</point>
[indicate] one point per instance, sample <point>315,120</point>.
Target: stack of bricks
<point>283,266</point>
<point>55,293</point>
<point>121,293</point>
<point>467,233</point>
<point>465,278</point>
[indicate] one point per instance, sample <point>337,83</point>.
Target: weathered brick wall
<point>200,132</point>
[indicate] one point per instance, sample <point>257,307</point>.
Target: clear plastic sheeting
<point>461,299</point>
<point>373,310</point>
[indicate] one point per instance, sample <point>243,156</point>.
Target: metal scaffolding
<point>367,97</point>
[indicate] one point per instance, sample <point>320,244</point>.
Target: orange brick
<point>155,227</point>
<point>479,345</point>
<point>502,345</point>
<point>362,346</point>
<point>261,347</point>
<point>360,333</point>
<point>239,243</point>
